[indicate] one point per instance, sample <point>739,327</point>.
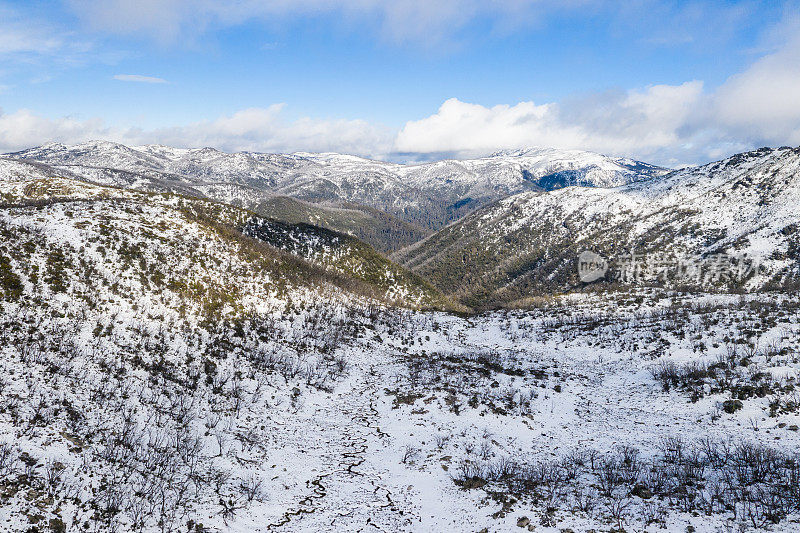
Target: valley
<point>175,359</point>
<point>527,244</point>
<point>399,266</point>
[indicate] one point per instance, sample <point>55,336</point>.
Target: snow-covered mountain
<point>746,206</point>
<point>296,258</point>
<point>428,195</point>
<point>170,363</point>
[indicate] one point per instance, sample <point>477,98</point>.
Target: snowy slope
<point>296,254</point>
<point>748,205</point>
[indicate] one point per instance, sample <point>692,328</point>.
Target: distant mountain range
<point>393,204</point>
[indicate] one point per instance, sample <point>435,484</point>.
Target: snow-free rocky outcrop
<point>744,210</point>
<point>427,195</point>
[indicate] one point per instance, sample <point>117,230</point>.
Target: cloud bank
<point>255,129</point>
<point>23,129</point>
<point>657,123</point>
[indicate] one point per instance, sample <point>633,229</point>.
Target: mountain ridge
<point>528,244</point>
<point>427,195</point>
<point>310,257</point>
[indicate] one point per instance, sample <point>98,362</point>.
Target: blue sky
<point>667,81</point>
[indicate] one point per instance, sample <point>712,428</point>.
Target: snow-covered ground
<point>406,437</point>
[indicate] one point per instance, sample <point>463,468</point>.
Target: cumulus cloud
<point>634,122</point>
<point>667,124</point>
<point>256,129</point>
<point>138,78</point>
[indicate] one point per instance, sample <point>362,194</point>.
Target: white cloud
<point>23,129</point>
<point>764,100</point>
<point>464,127</point>
<point>256,129</point>
<point>139,79</point>
<point>667,124</point>
<point>636,122</point>
<point>266,130</point>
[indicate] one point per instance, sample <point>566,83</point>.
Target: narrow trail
<point>348,495</point>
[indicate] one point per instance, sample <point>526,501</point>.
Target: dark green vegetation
<point>384,232</point>
<point>348,256</point>
<point>10,283</point>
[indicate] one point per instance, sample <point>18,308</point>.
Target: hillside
<point>377,228</point>
<point>163,341</point>
<point>428,195</point>
<point>148,346</point>
<point>747,205</point>
<point>285,257</point>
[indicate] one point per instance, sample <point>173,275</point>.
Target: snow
<point>742,205</point>
<point>247,177</point>
<point>103,374</point>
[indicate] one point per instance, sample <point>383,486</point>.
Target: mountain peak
<point>100,144</point>
<point>430,195</point>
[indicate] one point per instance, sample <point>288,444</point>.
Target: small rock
<point>523,522</point>
<point>57,525</point>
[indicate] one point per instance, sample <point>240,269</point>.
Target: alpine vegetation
<point>172,362</point>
